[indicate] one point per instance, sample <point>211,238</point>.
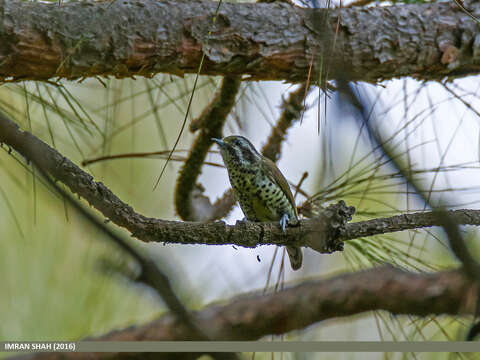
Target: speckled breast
<point>260,198</point>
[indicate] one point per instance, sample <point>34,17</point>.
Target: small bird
<point>260,188</point>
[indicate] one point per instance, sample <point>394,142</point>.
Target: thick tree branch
<point>41,41</point>
<point>250,317</point>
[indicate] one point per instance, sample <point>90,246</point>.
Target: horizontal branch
<point>407,222</point>
<point>251,317</point>
<point>324,233</point>
<point>276,41</point>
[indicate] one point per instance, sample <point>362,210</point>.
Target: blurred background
<point>53,287</point>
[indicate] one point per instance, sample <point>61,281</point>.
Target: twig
<point>300,183</point>
<point>359,3</point>
<point>293,107</point>
<point>160,154</point>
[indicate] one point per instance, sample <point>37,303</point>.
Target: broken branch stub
<point>328,224</point>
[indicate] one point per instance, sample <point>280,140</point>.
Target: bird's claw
<point>284,221</point>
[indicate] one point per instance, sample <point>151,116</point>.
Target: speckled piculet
<point>260,188</point>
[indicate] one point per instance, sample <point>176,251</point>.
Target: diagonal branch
<point>251,317</point>
<point>41,41</point>
<point>449,225</point>
<point>293,107</point>
<point>455,239</point>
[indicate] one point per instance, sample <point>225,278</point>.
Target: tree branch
<point>257,315</point>
<point>406,222</point>
<point>190,203</point>
<point>322,230</point>
<point>293,107</point>
<point>76,40</point>
<point>324,234</point>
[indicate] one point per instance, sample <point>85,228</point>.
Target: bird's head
<point>237,150</point>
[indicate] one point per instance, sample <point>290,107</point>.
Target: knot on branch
<point>327,227</point>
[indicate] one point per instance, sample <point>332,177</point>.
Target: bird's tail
<point>296,257</point>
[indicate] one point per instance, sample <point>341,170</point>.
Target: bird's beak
<point>219,142</point>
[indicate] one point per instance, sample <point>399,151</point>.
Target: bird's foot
<point>284,221</point>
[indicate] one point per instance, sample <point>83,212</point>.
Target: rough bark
<point>254,316</point>
<point>263,41</point>
<point>406,222</point>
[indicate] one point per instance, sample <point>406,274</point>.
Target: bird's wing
<point>275,175</point>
